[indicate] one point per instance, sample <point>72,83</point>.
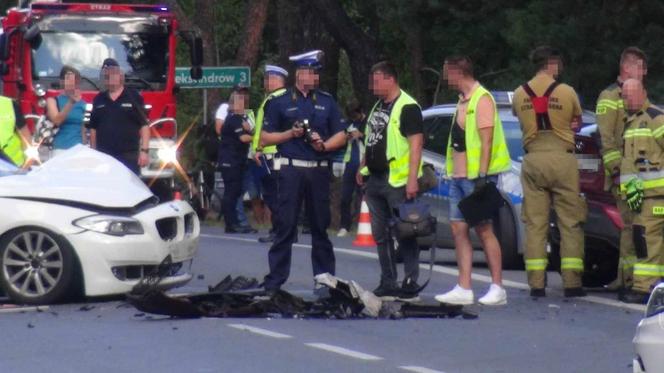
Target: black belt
<point>548,151</point>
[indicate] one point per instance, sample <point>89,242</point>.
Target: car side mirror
<point>33,36</point>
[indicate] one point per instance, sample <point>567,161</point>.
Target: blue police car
<point>508,225</point>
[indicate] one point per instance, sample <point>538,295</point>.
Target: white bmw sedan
<point>83,224</point>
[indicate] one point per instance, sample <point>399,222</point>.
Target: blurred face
<point>555,67</point>
<point>306,78</point>
<point>634,95</point>
<point>237,102</point>
<point>635,69</point>
<point>272,82</point>
<point>452,75</point>
<point>112,77</point>
<point>70,83</point>
<point>380,84</point>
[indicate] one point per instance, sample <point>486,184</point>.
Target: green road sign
<point>214,77</point>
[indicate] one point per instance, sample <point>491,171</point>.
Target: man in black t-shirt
<point>118,122</point>
<point>393,162</point>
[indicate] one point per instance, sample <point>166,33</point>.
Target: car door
<point>436,132</point>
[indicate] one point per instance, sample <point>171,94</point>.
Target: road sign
<point>214,77</point>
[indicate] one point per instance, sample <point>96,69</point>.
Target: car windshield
<point>140,55</point>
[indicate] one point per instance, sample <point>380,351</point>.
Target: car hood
<point>79,175</point>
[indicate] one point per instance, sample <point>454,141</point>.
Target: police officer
<point>549,112</point>
<point>13,131</point>
<point>235,139</point>
<point>274,84</point>
<point>610,121</point>
<point>642,184</point>
<point>305,124</point>
<point>118,122</point>
<point>393,163</point>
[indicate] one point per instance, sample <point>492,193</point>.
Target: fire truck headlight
<point>168,154</point>
<point>40,91</point>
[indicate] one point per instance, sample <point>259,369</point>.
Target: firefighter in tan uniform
<point>549,112</point>
<point>642,185</point>
<point>611,123</point>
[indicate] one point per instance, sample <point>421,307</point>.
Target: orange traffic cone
<point>364,236</point>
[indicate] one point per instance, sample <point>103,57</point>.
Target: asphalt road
<point>547,335</point>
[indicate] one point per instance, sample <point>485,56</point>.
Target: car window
<point>512,131</point>
<point>436,132</point>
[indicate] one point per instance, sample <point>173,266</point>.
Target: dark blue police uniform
<point>232,164</point>
<point>304,175</point>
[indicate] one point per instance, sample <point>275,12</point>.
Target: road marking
<point>416,369</point>
<point>263,332</point>
<point>11,308</point>
<point>454,272</point>
<point>344,351</point>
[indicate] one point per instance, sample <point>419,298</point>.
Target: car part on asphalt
<point>239,297</point>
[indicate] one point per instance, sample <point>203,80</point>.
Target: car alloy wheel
<point>37,265</point>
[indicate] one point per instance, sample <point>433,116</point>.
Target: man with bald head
<point>642,187</point>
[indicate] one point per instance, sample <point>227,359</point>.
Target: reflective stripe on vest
<point>10,142</point>
<point>397,149</point>
<point>607,104</point>
<point>260,115</point>
<point>500,156</point>
<point>571,264</point>
<point>611,156</point>
<point>650,179</point>
<point>648,270</point>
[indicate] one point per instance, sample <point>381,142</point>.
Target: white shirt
<point>222,111</point>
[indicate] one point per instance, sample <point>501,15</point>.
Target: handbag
<point>413,219</point>
<point>481,205</point>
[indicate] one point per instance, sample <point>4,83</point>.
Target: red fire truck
<point>38,38</point>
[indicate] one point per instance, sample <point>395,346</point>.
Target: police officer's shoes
<point>574,292</point>
<point>240,229</point>
<point>633,296</point>
<point>457,296</point>
<point>387,293</point>
<point>343,232</point>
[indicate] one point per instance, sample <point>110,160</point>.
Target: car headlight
<point>111,225</point>
<point>656,302</point>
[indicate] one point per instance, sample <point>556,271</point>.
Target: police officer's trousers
<point>233,177</point>
<point>269,185</point>
<point>627,253</point>
<point>649,244</point>
<point>295,186</point>
<point>552,177</point>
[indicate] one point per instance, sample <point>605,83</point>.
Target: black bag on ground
<point>481,205</point>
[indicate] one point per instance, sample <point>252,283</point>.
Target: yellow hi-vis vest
<point>260,115</point>
<point>500,156</point>
<point>397,149</point>
<point>10,142</point>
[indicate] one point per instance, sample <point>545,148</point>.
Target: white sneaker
<point>342,232</point>
<point>496,296</point>
<point>458,296</point>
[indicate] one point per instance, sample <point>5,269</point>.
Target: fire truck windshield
<point>142,56</point>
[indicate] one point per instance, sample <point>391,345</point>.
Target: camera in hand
<point>307,129</point>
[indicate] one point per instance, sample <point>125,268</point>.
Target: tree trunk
<point>362,49</point>
<point>255,18</point>
<point>413,31</point>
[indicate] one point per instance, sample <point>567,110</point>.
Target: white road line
<point>416,369</point>
<point>19,309</point>
<point>454,272</point>
<point>344,351</point>
<point>263,332</point>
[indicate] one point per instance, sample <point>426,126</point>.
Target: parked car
<point>508,225</point>
<point>82,223</point>
<point>649,338</point>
